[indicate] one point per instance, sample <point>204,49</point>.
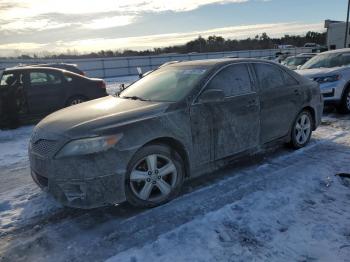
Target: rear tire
<point>155,176</point>
<point>76,100</point>
<point>344,107</point>
<point>302,130</point>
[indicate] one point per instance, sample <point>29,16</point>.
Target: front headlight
<point>327,79</point>
<point>89,145</point>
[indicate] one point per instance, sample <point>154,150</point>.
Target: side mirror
<point>211,95</point>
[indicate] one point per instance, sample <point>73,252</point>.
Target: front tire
<point>302,130</point>
<point>344,107</point>
<point>155,176</point>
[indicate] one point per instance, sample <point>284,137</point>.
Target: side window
<point>233,80</point>
<point>37,78</point>
<point>68,77</point>
<point>42,78</point>
<point>54,78</point>
<point>289,80</point>
<point>269,76</point>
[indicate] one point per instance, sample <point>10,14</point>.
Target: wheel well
<point>313,114</point>
<point>177,146</point>
<point>347,86</point>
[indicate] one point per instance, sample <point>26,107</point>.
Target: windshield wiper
<point>134,98</point>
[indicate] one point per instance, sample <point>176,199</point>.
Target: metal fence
<point>124,66</point>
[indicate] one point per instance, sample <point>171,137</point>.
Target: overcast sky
<point>28,26</point>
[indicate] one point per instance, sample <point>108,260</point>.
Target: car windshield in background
<point>169,84</point>
<point>295,61</point>
<point>328,61</point>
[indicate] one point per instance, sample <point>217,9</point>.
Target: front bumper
<point>332,92</point>
<point>84,181</point>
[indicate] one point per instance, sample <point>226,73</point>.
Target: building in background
<point>336,34</point>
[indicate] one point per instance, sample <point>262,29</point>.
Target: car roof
<point>21,68</point>
<point>343,50</point>
<point>210,63</point>
<point>307,54</point>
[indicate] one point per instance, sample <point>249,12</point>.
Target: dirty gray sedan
<point>178,122</point>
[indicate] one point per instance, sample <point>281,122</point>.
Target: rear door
<point>280,98</point>
<point>232,125</point>
<point>45,91</point>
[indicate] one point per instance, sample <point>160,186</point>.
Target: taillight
<point>102,84</point>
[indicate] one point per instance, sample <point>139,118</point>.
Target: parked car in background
<point>312,45</point>
<point>69,67</point>
<point>175,123</point>
<point>45,90</point>
<point>293,62</point>
<point>285,46</point>
<point>331,70</point>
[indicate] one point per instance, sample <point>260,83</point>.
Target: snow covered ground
<point>283,206</point>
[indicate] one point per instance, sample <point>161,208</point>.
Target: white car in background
<point>332,71</point>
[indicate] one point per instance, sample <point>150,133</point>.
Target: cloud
<point>151,41</point>
<point>109,22</point>
<point>159,40</point>
<point>30,25</point>
<point>26,8</point>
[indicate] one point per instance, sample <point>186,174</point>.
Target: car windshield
<point>168,84</point>
<point>328,61</point>
<point>295,61</point>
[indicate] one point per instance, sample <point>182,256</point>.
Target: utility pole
<point>347,26</point>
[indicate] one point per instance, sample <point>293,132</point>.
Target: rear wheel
<point>76,100</point>
<point>302,129</point>
<point>344,106</point>
<point>155,176</point>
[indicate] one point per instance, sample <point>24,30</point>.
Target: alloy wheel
<point>302,129</point>
<point>153,178</point>
<point>77,101</point>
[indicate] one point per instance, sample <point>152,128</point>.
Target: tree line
<point>201,45</point>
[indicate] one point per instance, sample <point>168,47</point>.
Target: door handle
<point>251,103</point>
<point>296,92</point>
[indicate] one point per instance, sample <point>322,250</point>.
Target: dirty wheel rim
<point>77,101</point>
<point>302,129</point>
<point>153,178</point>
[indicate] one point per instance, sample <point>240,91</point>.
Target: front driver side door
<point>223,128</point>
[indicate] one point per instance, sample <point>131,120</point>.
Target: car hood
<point>318,72</point>
<point>96,116</point>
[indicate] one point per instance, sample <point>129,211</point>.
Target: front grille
<point>45,147</point>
